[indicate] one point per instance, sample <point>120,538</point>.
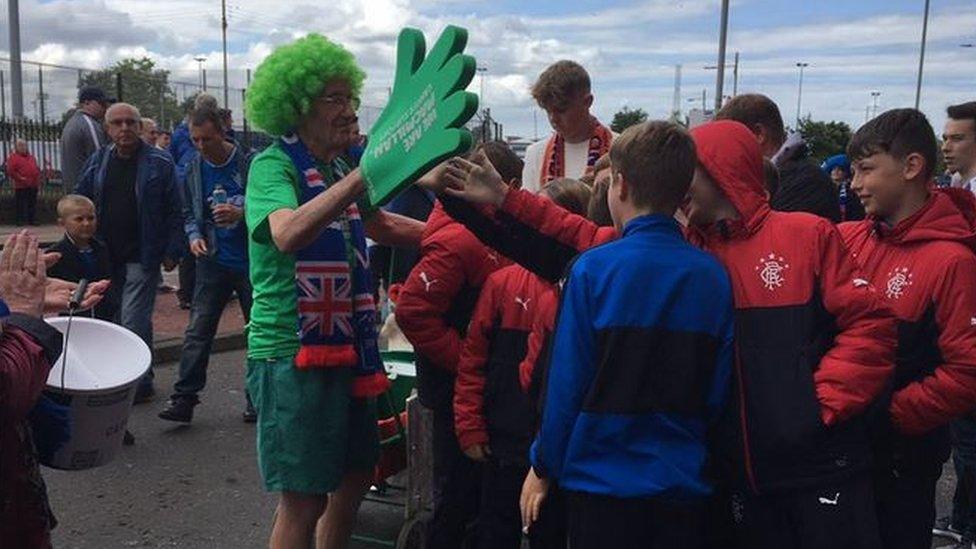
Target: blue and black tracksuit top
<point>640,366</point>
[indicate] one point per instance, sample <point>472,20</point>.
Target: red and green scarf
<point>554,160</point>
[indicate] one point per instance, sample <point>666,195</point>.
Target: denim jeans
<point>138,287</point>
<point>212,291</point>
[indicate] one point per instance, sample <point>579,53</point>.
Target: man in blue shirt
<point>213,209</point>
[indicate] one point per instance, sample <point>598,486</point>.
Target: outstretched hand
<point>57,294</point>
<point>423,123</point>
<point>476,181</point>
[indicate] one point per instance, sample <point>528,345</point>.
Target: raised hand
<point>422,124</point>
<point>476,182</point>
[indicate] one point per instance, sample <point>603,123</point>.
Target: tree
<point>627,117</point>
<point>825,139</point>
<point>143,85</point>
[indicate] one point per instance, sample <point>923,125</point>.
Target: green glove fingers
<point>422,124</point>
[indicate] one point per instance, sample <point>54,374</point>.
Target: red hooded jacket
<point>490,405</point>
<point>925,269</point>
<point>815,344</point>
<point>437,300</point>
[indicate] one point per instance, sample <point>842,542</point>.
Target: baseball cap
<point>92,93</point>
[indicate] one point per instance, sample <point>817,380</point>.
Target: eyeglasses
<point>119,122</point>
<point>341,101</point>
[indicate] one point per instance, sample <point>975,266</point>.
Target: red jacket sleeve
<point>23,373</point>
<point>469,385</point>
<point>424,299</point>
<point>856,369</point>
<point>950,391</point>
<point>532,231</point>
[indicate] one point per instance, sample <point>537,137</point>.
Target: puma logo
<point>860,282</point>
<point>524,304</point>
<point>427,282</point>
<point>826,501</point>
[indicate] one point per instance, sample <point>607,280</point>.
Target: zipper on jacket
<point>750,474</point>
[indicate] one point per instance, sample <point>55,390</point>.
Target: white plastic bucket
<point>105,363</point>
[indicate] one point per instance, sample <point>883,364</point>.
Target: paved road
<point>191,487</point>
<point>187,487</point>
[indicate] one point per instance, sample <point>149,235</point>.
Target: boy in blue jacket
<point>638,371</point>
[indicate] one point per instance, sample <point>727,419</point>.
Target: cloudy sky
<point>629,46</point>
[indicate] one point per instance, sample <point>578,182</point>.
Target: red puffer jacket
<point>925,269</point>
<point>490,406</point>
<point>437,300</point>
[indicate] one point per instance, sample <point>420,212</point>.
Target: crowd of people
<point>664,338</point>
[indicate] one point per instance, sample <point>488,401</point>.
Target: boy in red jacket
<point>494,417</point>
<point>814,343</point>
<point>433,311</point>
<point>916,247</point>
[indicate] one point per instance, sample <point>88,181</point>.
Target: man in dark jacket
<point>133,186</point>
<point>802,186</point>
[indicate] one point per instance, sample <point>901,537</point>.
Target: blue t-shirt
<point>231,241</point>
<point>89,262</point>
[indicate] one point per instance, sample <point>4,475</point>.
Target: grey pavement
<point>196,486</point>
<point>191,486</point>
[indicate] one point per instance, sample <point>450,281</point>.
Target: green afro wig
<point>288,81</point>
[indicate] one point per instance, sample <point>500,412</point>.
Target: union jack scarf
<point>554,159</point>
<point>336,312</point>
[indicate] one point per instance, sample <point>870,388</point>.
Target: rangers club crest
<point>771,269</point>
<point>898,281</point>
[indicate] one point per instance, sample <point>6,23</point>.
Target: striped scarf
<point>336,312</point>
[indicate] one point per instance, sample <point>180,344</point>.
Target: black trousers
<point>457,484</point>
<point>964,462</point>
<point>499,518</point>
<point>25,202</point>
<point>838,516</point>
<point>550,531</point>
<point>188,277</point>
<point>599,522</point>
<point>906,505</point>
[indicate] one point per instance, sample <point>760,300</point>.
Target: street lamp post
<point>799,92</point>
<point>200,59</point>
<point>921,55</point>
<point>735,73</point>
<point>723,34</point>
<point>874,103</point>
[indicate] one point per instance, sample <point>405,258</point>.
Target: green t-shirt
<point>272,184</point>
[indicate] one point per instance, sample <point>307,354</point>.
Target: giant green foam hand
<point>422,125</point>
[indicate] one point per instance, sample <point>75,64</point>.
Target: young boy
<point>916,246</point>
<point>82,255</point>
<point>638,370</point>
<point>814,346</point>
<point>433,311</point>
<point>494,416</point>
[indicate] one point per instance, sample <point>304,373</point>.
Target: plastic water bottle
<point>219,195</point>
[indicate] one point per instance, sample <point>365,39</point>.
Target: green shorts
<point>311,431</point>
